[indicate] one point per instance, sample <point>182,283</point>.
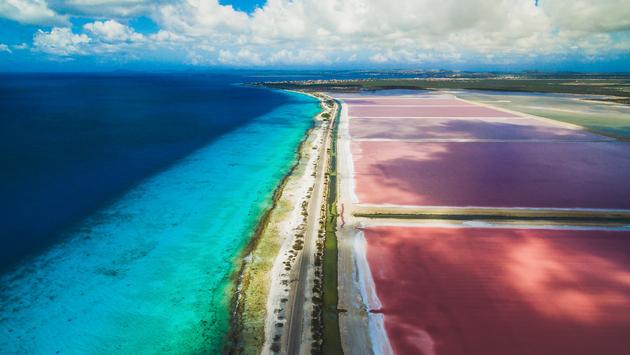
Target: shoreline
<point>261,225</point>
<point>261,282</point>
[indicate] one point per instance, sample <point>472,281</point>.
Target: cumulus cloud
<point>112,31</point>
<point>242,57</point>
<point>298,57</point>
<point>60,41</point>
<point>589,16</point>
<point>163,36</point>
<point>409,31</point>
<point>202,18</point>
<point>304,32</point>
<point>99,37</point>
<point>32,12</point>
<point>20,46</point>
<point>4,48</point>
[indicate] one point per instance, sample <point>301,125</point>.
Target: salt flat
<point>421,177</point>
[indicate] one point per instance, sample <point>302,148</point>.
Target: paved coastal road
<point>304,263</point>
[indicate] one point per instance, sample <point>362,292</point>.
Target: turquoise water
<point>150,273</point>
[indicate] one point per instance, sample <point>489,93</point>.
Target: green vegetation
<point>249,314</point>
<point>331,337</point>
<point>615,88</point>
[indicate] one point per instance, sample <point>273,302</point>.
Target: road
<point>304,262</point>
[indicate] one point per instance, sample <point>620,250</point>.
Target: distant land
<point>615,87</point>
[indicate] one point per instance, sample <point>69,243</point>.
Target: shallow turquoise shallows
<point>151,272</point>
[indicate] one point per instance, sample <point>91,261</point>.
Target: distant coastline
<point>604,87</point>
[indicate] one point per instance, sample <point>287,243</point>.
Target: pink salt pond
<point>406,101</point>
<point>491,174</point>
<point>425,111</point>
<point>458,128</point>
<point>502,291</point>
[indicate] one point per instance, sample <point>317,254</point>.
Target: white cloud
<point>4,48</point>
<point>163,36</point>
<point>242,57</point>
<point>32,12</point>
<point>202,18</point>
<point>100,37</point>
<point>112,31</point>
<point>379,58</point>
<point>409,31</point>
<point>416,32</point>
<point>20,46</point>
<point>587,15</point>
<point>298,57</point>
<point>60,41</point>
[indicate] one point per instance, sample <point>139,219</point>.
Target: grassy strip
<point>331,336</point>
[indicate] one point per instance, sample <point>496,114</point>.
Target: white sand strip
<point>454,209</point>
<point>372,105</point>
<point>421,96</point>
<point>477,140</point>
<point>346,162</point>
<point>437,223</point>
<point>521,114</point>
<point>365,283</point>
<point>446,117</point>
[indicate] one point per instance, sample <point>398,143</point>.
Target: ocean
<point>126,202</point>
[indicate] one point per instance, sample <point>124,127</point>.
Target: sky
<point>502,35</point>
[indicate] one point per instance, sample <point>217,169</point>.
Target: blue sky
<point>58,35</point>
<point>244,5</point>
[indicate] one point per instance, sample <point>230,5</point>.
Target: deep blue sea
<point>126,200</point>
